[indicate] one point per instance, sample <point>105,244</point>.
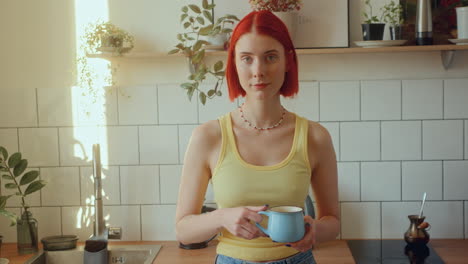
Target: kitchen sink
<point>118,254</point>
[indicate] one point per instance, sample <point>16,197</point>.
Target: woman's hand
<point>237,221</point>
<point>308,240</point>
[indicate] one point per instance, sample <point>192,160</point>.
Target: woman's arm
<point>191,226</point>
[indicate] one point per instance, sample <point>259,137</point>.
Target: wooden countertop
<point>452,251</point>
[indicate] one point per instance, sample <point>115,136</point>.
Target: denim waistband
<point>299,258</point>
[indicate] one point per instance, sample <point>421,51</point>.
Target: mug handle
<point>261,227</point>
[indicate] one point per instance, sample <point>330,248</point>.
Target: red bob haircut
<point>265,23</point>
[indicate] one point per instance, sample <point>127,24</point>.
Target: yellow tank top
<point>238,183</point>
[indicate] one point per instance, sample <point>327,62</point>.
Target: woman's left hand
<point>308,240</point>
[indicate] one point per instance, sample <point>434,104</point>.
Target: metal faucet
<point>100,229</point>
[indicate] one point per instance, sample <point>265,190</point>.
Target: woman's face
<point>260,64</point>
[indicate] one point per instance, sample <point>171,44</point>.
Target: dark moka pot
<point>424,23</point>
<point>415,235</point>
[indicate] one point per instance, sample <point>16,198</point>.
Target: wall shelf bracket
<point>447,58</point>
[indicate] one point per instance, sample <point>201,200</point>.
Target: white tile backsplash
<point>380,181</point>
<point>138,105</point>
<point>388,153</point>
<point>63,186</point>
<point>158,145</point>
<point>455,98</point>
<point>381,100</point>
<point>446,218</point>
<point>306,102</point>
<point>174,107</point>
<point>39,146</point>
<point>9,139</point>
<point>78,221</point>
<point>49,221</point>
<point>456,180</point>
<point>119,145</point>
<point>422,99</point>
<point>55,107</point>
<point>170,180</point>
<point>419,177</point>
<point>139,184</point>
<point>443,139</point>
<point>349,181</point>
<point>185,132</point>
<point>359,141</point>
<point>216,106</point>
<point>158,222</point>
<point>395,220</point>
<point>360,220</point>
<point>339,101</point>
<point>126,217</point>
<point>21,105</point>
<point>401,140</point>
<point>110,185</point>
<point>76,145</point>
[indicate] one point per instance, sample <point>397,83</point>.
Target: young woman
<point>258,156</point>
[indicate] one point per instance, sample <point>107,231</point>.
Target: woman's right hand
<point>238,221</point>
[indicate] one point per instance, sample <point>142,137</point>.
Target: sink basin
<point>121,254</point>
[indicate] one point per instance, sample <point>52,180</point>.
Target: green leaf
<point>174,51</point>
<point>185,9</point>
<point>10,186</point>
<point>202,97</point>
<point>221,73</point>
<point>195,9</point>
<point>183,16</point>
<point>201,20</point>
<point>9,215</point>
<point>218,66</point>
<point>211,92</point>
<point>209,7</point>
<point>3,169</point>
<point>219,93</point>
<point>208,15</point>
<point>14,159</point>
<point>197,45</point>
<point>186,25</point>
<point>186,85</point>
<point>3,200</point>
<point>29,177</point>
<point>20,167</point>
<point>198,56</point>
<point>7,177</point>
<point>233,17</point>
<point>226,30</point>
<point>206,30</point>
<point>179,37</point>
<point>190,93</point>
<point>34,186</point>
<point>205,4</point>
<point>4,153</point>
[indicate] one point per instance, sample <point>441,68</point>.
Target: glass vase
<point>26,231</point>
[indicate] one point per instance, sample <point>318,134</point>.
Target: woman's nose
<point>258,69</point>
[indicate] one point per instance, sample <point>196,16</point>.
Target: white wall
<point>399,123</point>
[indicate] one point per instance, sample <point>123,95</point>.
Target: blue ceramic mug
<point>285,223</point>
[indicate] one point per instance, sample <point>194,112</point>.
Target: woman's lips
<point>260,85</point>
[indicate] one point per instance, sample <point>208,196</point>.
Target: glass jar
<point>26,231</point>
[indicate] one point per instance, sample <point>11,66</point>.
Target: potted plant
<point>372,28</point>
<point>12,168</point>
<point>284,9</point>
<point>392,14</point>
<point>200,28</point>
<point>107,37</point>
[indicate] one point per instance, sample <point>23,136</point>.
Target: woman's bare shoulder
<point>318,135</point>
<point>207,134</point>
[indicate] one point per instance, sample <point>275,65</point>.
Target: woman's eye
<point>246,59</point>
<point>272,58</point>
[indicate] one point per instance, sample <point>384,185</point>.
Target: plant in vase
<point>372,28</point>
<point>12,168</point>
<point>461,9</point>
<point>200,31</point>
<point>284,9</point>
<point>392,14</point>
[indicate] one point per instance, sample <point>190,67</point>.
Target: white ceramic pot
<point>462,22</point>
<point>289,19</point>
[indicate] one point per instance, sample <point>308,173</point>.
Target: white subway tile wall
<point>394,140</point>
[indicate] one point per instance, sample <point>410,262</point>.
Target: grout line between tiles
<point>360,100</point>
<point>381,221</point>
<point>443,99</point>
<point>157,104</point>
<point>443,179</point>
<point>37,106</point>
<point>422,139</point>
<point>138,145</point>
<point>401,99</point>
<point>401,180</point>
<point>141,222</point>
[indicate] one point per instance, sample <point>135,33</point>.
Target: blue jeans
<point>300,258</point>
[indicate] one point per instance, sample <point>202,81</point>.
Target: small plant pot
<point>395,32</point>
<point>217,42</point>
<point>373,31</point>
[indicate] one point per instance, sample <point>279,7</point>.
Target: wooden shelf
<point>447,52</point>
